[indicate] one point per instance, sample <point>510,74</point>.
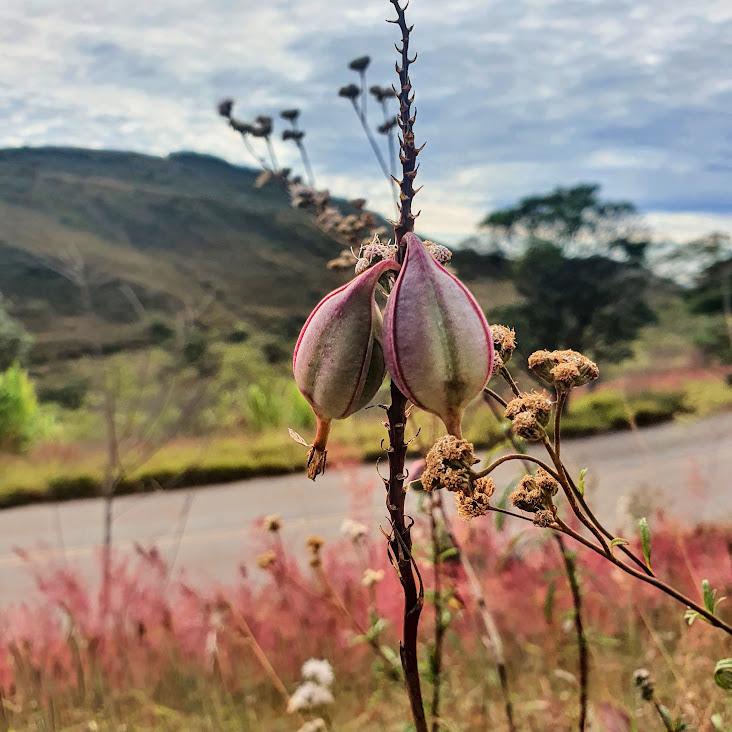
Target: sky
<point>513,97</point>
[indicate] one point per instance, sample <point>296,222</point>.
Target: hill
<point>187,231</point>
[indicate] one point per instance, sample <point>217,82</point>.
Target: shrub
<point>21,421</point>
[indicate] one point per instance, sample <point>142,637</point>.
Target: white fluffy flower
<point>314,725</point>
<point>319,671</point>
<point>309,695</point>
<point>353,529</point>
<point>371,577</point>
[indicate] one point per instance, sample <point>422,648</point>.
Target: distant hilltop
<point>183,231</point>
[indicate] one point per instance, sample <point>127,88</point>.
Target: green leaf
<point>449,553</point>
<point>618,542</point>
<point>415,485</point>
<point>645,532</point>
<point>723,674</point>
<point>717,722</point>
<point>581,486</point>
<point>549,603</point>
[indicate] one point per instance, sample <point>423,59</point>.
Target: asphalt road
<point>685,468</point>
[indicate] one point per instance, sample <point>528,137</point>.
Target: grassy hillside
<point>186,231</point>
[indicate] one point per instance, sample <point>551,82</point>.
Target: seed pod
<point>338,361</point>
<point>437,344</point>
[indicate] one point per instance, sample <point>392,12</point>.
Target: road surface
<point>685,468</point>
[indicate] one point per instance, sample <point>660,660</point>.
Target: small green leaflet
<point>618,542</point>
<point>645,532</point>
<point>710,604</point>
<point>581,487</point>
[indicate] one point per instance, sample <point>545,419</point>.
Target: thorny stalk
<point>400,540</point>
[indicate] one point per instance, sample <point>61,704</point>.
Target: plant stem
<point>439,625</point>
<point>306,163</point>
<point>582,648</point>
<point>516,456</point>
<point>400,545</point>
<point>651,580</point>
<point>493,637</point>
<point>400,540</point>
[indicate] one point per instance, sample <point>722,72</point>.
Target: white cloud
<point>513,98</point>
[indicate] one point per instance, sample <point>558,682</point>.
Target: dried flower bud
<point>225,107</point>
<point>266,559</point>
<point>535,492</point>
<point>360,64</point>
<point>351,91</point>
<point>642,679</point>
<point>563,369</point>
<point>449,465</point>
<point>543,519</point>
<point>441,253</point>
<point>504,343</point>
<point>290,114</point>
<point>437,344</point>
<point>526,425</point>
<point>314,544</point>
<point>476,504</point>
<point>372,577</point>
<point>538,404</point>
<point>338,361</point>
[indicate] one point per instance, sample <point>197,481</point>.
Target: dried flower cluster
<point>471,506</point>
<point>530,413</point>
<point>314,544</point>
<point>504,343</point>
<point>315,690</point>
<point>563,369</point>
<point>535,495</point>
<point>449,465</point>
<point>354,530</point>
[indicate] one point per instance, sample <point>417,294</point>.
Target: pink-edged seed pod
<point>338,361</point>
<point>437,344</point>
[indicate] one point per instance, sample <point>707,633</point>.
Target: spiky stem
<point>400,540</point>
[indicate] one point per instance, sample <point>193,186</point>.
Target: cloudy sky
<point>514,97</point>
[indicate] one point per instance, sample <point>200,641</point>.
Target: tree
<point>594,305</point>
<point>711,293</point>
<point>579,271</point>
<point>574,217</point>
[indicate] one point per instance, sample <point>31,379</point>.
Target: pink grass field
<point>167,655</point>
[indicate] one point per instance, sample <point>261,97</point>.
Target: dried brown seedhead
<point>504,343</point>
<point>535,493</point>
<point>563,369</point>
<point>537,403</point>
<point>314,544</point>
<point>477,504</point>
<point>544,519</point>
<point>266,559</point>
<point>526,425</point>
<point>449,465</point>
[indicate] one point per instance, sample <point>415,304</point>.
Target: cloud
<point>513,98</point>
